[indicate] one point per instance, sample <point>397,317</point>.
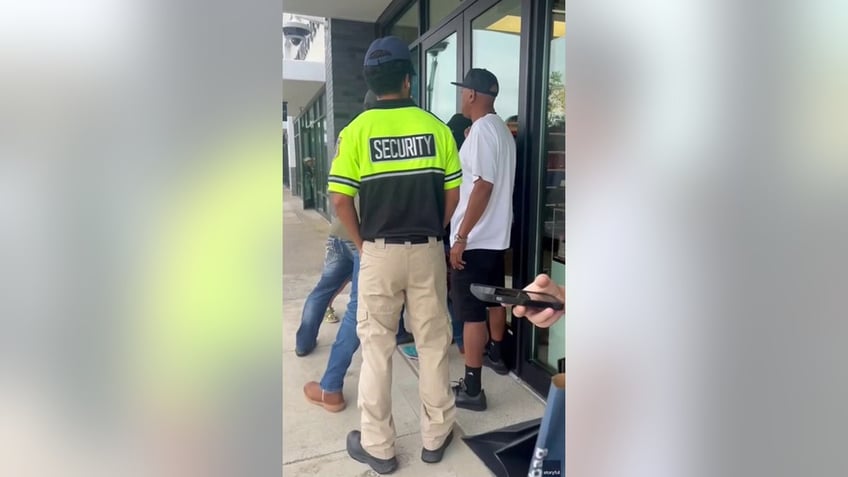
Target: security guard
<point>403,163</point>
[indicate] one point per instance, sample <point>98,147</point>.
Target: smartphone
<point>511,296</point>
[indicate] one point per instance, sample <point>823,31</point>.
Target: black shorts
<point>481,266</point>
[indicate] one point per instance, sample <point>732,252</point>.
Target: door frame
<point>532,145</point>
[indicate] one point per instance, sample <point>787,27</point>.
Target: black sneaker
<point>497,366</point>
<point>434,456</point>
<point>467,401</point>
<point>355,451</point>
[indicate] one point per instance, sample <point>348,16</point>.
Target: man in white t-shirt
<point>481,227</point>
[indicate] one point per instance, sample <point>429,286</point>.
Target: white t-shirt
<point>488,153</point>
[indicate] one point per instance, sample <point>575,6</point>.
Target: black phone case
<point>520,298</point>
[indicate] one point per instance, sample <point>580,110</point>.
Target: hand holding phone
<point>542,302</point>
<point>511,296</point>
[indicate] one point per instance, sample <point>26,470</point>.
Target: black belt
<point>414,240</point>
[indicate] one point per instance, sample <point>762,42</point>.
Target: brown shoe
<point>333,402</point>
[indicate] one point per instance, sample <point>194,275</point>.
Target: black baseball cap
<point>386,49</point>
<point>480,80</point>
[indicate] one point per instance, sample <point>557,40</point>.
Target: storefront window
<point>298,164</point>
<point>496,46</point>
<point>313,155</point>
<point>307,161</point>
<point>406,27</point>
<point>441,70</point>
<point>439,9</point>
<point>549,344</point>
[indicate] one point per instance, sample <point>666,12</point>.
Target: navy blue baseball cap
<point>386,49</point>
<point>480,80</point>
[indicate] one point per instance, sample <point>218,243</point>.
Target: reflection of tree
<point>556,98</point>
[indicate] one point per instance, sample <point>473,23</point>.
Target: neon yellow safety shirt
<point>399,159</point>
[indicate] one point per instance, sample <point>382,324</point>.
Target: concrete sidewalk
<point>314,439</point>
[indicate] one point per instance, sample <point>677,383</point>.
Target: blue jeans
<point>347,341</point>
<point>338,268</point>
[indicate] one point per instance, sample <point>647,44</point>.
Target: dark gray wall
<point>346,44</point>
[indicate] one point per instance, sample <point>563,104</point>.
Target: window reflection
<point>406,27</point>
<point>441,70</point>
<point>496,46</point>
<point>439,9</point>
<point>550,343</point>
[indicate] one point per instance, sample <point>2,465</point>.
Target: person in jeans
<point>340,266</point>
<point>328,392</point>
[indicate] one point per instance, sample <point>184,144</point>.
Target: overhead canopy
<point>359,10</point>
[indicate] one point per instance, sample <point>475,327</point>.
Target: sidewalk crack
<point>297,461</point>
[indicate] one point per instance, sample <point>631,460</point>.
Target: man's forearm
<point>477,203</point>
<point>348,218</point>
<point>346,212</point>
<point>451,201</point>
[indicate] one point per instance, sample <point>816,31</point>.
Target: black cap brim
<point>462,85</point>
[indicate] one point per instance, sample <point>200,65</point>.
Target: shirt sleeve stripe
<point>344,181</point>
<point>342,189</point>
<point>454,176</point>
<point>453,184</point>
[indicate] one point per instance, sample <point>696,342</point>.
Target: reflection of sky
<point>500,53</point>
<point>558,55</point>
<point>443,101</point>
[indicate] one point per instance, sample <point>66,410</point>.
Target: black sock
<point>472,380</point>
<point>495,350</point>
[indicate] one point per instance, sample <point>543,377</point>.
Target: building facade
<point>520,41</point>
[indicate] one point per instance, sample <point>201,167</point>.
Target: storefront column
<point>347,41</point>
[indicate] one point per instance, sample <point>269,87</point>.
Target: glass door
<point>441,66</point>
<point>548,345</point>
<point>492,35</point>
<point>307,162</point>
<point>298,163</point>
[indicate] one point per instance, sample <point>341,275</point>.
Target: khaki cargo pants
<point>388,273</point>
